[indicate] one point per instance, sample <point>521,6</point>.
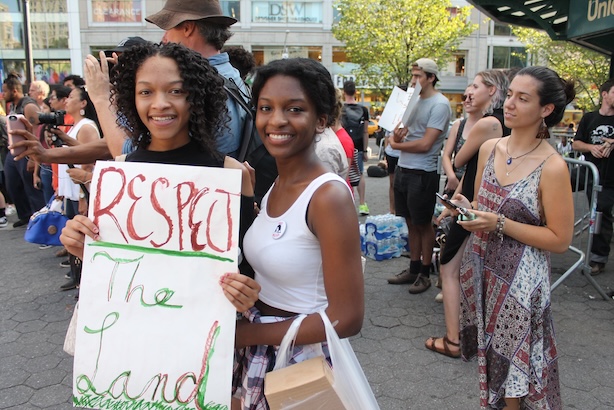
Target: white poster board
<point>154,327</point>
<point>399,107</point>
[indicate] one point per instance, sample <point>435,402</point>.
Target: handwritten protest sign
<point>154,327</point>
<point>399,107</point>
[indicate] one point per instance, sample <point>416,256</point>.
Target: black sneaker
<point>21,222</point>
<point>421,284</point>
<point>65,264</point>
<point>71,284</point>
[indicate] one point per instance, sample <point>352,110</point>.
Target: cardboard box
<point>306,385</point>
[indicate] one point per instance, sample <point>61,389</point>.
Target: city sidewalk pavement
<point>36,373</point>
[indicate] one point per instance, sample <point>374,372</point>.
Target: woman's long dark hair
<point>90,111</point>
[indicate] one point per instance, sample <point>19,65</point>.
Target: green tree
<point>386,36</point>
<point>588,68</point>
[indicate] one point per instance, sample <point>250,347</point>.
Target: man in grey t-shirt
<point>416,178</point>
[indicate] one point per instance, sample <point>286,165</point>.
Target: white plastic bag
<point>306,385</point>
<point>287,344</point>
<point>350,381</point>
<point>71,332</point>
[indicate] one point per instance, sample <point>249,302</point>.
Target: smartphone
<point>463,211</point>
<point>14,123</point>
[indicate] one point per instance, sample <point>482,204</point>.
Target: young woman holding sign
<point>173,102</point>
<point>304,245</point>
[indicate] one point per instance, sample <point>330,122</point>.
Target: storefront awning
<point>589,23</point>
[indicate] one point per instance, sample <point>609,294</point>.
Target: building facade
<point>63,32</point>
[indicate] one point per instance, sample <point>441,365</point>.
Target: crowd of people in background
<point>507,205</point>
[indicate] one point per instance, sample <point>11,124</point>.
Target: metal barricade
<point>586,186</point>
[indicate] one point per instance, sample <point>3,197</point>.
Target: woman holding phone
<point>524,210</point>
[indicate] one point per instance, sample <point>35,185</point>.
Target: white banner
<point>154,327</point>
<point>399,107</point>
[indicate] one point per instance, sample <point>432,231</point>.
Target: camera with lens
<point>53,120</point>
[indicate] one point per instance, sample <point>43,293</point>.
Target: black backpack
<point>353,120</point>
<point>252,149</point>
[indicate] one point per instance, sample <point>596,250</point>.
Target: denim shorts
<point>361,165</point>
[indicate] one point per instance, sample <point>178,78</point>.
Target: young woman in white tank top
<point>304,245</point>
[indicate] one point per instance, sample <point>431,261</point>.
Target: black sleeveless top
<point>457,233</point>
<point>472,166</point>
<point>189,154</point>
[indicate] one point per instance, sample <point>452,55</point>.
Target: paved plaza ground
<point>35,373</point>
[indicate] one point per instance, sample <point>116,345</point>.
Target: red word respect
<point>180,213</point>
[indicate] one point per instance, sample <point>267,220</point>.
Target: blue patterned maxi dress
<point>505,302</point>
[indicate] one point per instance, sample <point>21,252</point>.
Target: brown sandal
<point>446,347</point>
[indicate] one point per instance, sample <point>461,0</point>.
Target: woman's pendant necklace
<point>509,156</point>
<point>523,156</point>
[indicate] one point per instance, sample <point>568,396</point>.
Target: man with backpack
<point>355,120</point>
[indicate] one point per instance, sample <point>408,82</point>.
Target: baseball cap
<point>126,44</point>
<point>427,65</point>
<point>176,12</point>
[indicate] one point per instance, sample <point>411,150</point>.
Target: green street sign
<point>588,17</point>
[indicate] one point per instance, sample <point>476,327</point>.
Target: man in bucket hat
<point>201,26</point>
<point>197,24</point>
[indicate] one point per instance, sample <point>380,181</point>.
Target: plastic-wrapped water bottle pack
<point>383,237</point>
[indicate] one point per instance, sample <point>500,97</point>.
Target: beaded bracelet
<point>500,226</point>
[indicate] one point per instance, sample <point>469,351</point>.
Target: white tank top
<point>66,187</point>
<point>286,255</point>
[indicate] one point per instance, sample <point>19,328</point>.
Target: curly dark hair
<point>241,59</point>
<point>203,85</point>
<point>315,81</point>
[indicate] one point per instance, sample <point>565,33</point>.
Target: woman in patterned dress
<point>523,211</point>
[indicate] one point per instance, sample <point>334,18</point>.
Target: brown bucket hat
<point>176,12</point>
